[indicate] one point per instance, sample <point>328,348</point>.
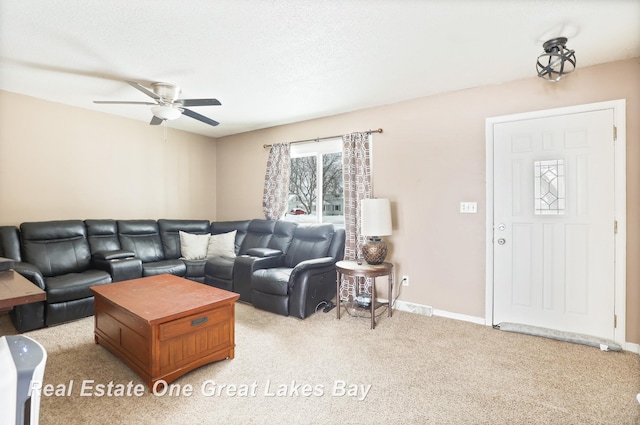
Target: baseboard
<point>427,310</point>
<point>630,346</point>
<point>463,317</point>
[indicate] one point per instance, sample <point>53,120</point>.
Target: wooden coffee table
<point>16,289</point>
<point>164,326</point>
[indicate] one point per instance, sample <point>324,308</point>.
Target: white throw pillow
<point>193,247</point>
<point>222,245</point>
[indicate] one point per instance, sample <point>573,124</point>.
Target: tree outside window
<point>316,185</point>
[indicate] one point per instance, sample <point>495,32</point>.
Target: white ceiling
<point>281,61</point>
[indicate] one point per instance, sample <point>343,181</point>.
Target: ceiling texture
<point>273,62</point>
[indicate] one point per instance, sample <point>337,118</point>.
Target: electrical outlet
<point>405,280</point>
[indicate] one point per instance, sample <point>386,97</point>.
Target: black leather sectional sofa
<point>278,266</point>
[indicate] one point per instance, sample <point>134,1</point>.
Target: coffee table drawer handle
<point>196,322</point>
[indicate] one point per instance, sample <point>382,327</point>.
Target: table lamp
<point>375,222</point>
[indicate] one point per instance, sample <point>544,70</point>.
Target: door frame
<point>620,202</point>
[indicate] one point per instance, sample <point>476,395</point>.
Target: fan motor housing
<point>166,91</point>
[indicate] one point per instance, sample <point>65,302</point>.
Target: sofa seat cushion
<point>271,281</point>
<point>195,268</point>
<point>174,267</point>
<point>220,267</point>
<point>74,286</point>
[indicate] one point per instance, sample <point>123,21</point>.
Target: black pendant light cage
<point>556,61</point>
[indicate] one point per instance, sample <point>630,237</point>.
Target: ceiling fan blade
<point>199,102</point>
<point>143,89</point>
<point>123,102</point>
<point>156,121</point>
<point>199,117</point>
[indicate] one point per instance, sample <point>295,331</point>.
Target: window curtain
<point>276,182</point>
<point>356,167</point>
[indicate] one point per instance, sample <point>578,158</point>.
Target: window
<point>315,186</point>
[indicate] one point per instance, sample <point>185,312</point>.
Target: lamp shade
<point>166,112</point>
<point>376,217</point>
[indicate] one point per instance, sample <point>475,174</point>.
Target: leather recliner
<point>263,238</point>
<point>143,238</point>
<point>60,251</point>
<point>305,275</point>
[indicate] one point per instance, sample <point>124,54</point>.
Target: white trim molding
<point>427,310</point>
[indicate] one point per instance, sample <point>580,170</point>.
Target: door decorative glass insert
<point>549,188</point>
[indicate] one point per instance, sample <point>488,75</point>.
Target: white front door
<point>554,222</point>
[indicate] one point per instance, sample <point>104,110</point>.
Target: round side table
<point>361,271</point>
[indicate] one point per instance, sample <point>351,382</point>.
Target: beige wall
<point>61,162</point>
<point>430,157</point>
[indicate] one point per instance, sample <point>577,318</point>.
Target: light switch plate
<point>468,207</point>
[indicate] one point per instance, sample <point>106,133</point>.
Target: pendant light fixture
<point>556,61</point>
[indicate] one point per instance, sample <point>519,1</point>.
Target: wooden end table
<point>165,326</point>
<point>361,271</point>
<point>15,289</point>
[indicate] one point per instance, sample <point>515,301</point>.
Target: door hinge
<point>615,321</point>
<point>615,133</point>
<point>615,227</point>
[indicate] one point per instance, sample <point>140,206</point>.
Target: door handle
<point>502,241</point>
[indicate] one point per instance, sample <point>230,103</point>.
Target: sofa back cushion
<point>258,235</point>
<point>241,227</point>
<point>283,232</point>
<point>309,241</point>
<point>143,238</point>
<point>102,235</point>
<point>56,247</point>
<point>10,243</point>
<point>170,234</point>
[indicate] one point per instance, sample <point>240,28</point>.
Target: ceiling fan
<point>167,105</point>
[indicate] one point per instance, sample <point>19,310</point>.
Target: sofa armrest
<point>120,268</point>
<point>263,252</point>
<point>311,282</point>
<point>6,263</point>
<point>243,268</point>
<point>252,263</point>
<point>316,264</point>
<point>31,272</point>
<point>113,255</point>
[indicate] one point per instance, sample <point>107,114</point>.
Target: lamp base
<point>374,251</point>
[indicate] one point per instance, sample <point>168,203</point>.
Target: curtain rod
<point>317,139</point>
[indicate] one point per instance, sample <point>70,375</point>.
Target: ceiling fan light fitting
<point>556,61</point>
<point>166,112</point>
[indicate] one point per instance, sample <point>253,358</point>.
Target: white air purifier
<point>22,362</point>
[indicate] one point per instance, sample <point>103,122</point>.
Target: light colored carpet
<point>421,370</point>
